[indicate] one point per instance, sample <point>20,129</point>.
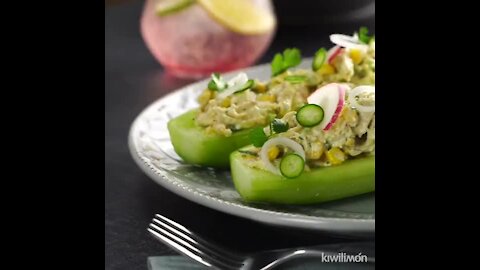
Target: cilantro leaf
<point>277,64</point>
<point>291,57</point>
<point>257,137</point>
<point>212,85</point>
<point>363,35</point>
<point>279,126</point>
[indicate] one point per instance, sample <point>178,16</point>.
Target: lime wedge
<point>240,16</point>
<point>167,7</point>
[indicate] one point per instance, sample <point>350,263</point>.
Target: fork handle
<point>270,259</point>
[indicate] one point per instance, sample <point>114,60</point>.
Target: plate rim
<point>332,224</point>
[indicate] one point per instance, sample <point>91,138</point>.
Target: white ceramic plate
<point>151,148</point>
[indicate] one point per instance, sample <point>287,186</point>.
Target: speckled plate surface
<point>151,148</point>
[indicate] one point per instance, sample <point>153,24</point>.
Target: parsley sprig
<point>363,35</point>
<point>258,137</point>
<point>291,57</point>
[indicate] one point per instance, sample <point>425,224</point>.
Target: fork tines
<point>187,243</point>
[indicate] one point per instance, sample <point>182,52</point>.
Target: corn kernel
<point>260,87</point>
<point>273,153</point>
<point>326,69</point>
<point>266,97</point>
<point>204,97</point>
<point>350,142</point>
<point>316,150</point>
<point>226,102</point>
<point>335,156</point>
<point>350,116</point>
<point>356,56</point>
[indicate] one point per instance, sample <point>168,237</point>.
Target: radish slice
<point>331,98</point>
<point>333,52</point>
<point>338,110</point>
<point>282,141</point>
<point>348,42</point>
<point>357,91</point>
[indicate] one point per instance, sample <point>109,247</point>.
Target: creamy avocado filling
<point>352,135</point>
<point>354,66</point>
<point>250,108</point>
<point>286,93</point>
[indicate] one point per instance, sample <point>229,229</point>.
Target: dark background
<point>133,80</point>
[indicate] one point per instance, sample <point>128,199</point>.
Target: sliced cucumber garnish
<point>319,59</point>
<point>249,84</point>
<point>310,115</point>
<point>292,165</point>
<point>295,79</point>
<point>167,7</point>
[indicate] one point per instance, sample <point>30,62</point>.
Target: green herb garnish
<point>279,126</point>
<point>212,86</point>
<point>216,83</point>
<point>363,35</point>
<point>257,137</point>
<point>291,57</point>
<point>248,152</point>
<point>295,79</point>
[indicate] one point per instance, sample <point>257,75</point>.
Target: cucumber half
<point>353,177</point>
<point>195,146</point>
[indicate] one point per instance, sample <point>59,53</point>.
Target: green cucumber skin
<point>354,177</point>
<point>194,146</point>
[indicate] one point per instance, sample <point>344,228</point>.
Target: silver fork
<point>213,256</point>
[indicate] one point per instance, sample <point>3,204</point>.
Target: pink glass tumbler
<point>192,44</point>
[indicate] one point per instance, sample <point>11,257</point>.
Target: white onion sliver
<point>355,92</point>
<point>218,81</point>
<point>286,142</point>
<point>233,85</point>
<point>227,92</point>
<point>348,42</point>
<point>241,78</point>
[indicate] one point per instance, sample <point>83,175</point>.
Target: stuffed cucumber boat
<point>207,135</point>
<point>325,151</point>
<point>229,111</point>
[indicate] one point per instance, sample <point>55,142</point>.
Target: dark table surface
<point>133,79</point>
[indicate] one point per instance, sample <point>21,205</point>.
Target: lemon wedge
<point>167,7</point>
<point>240,16</point>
